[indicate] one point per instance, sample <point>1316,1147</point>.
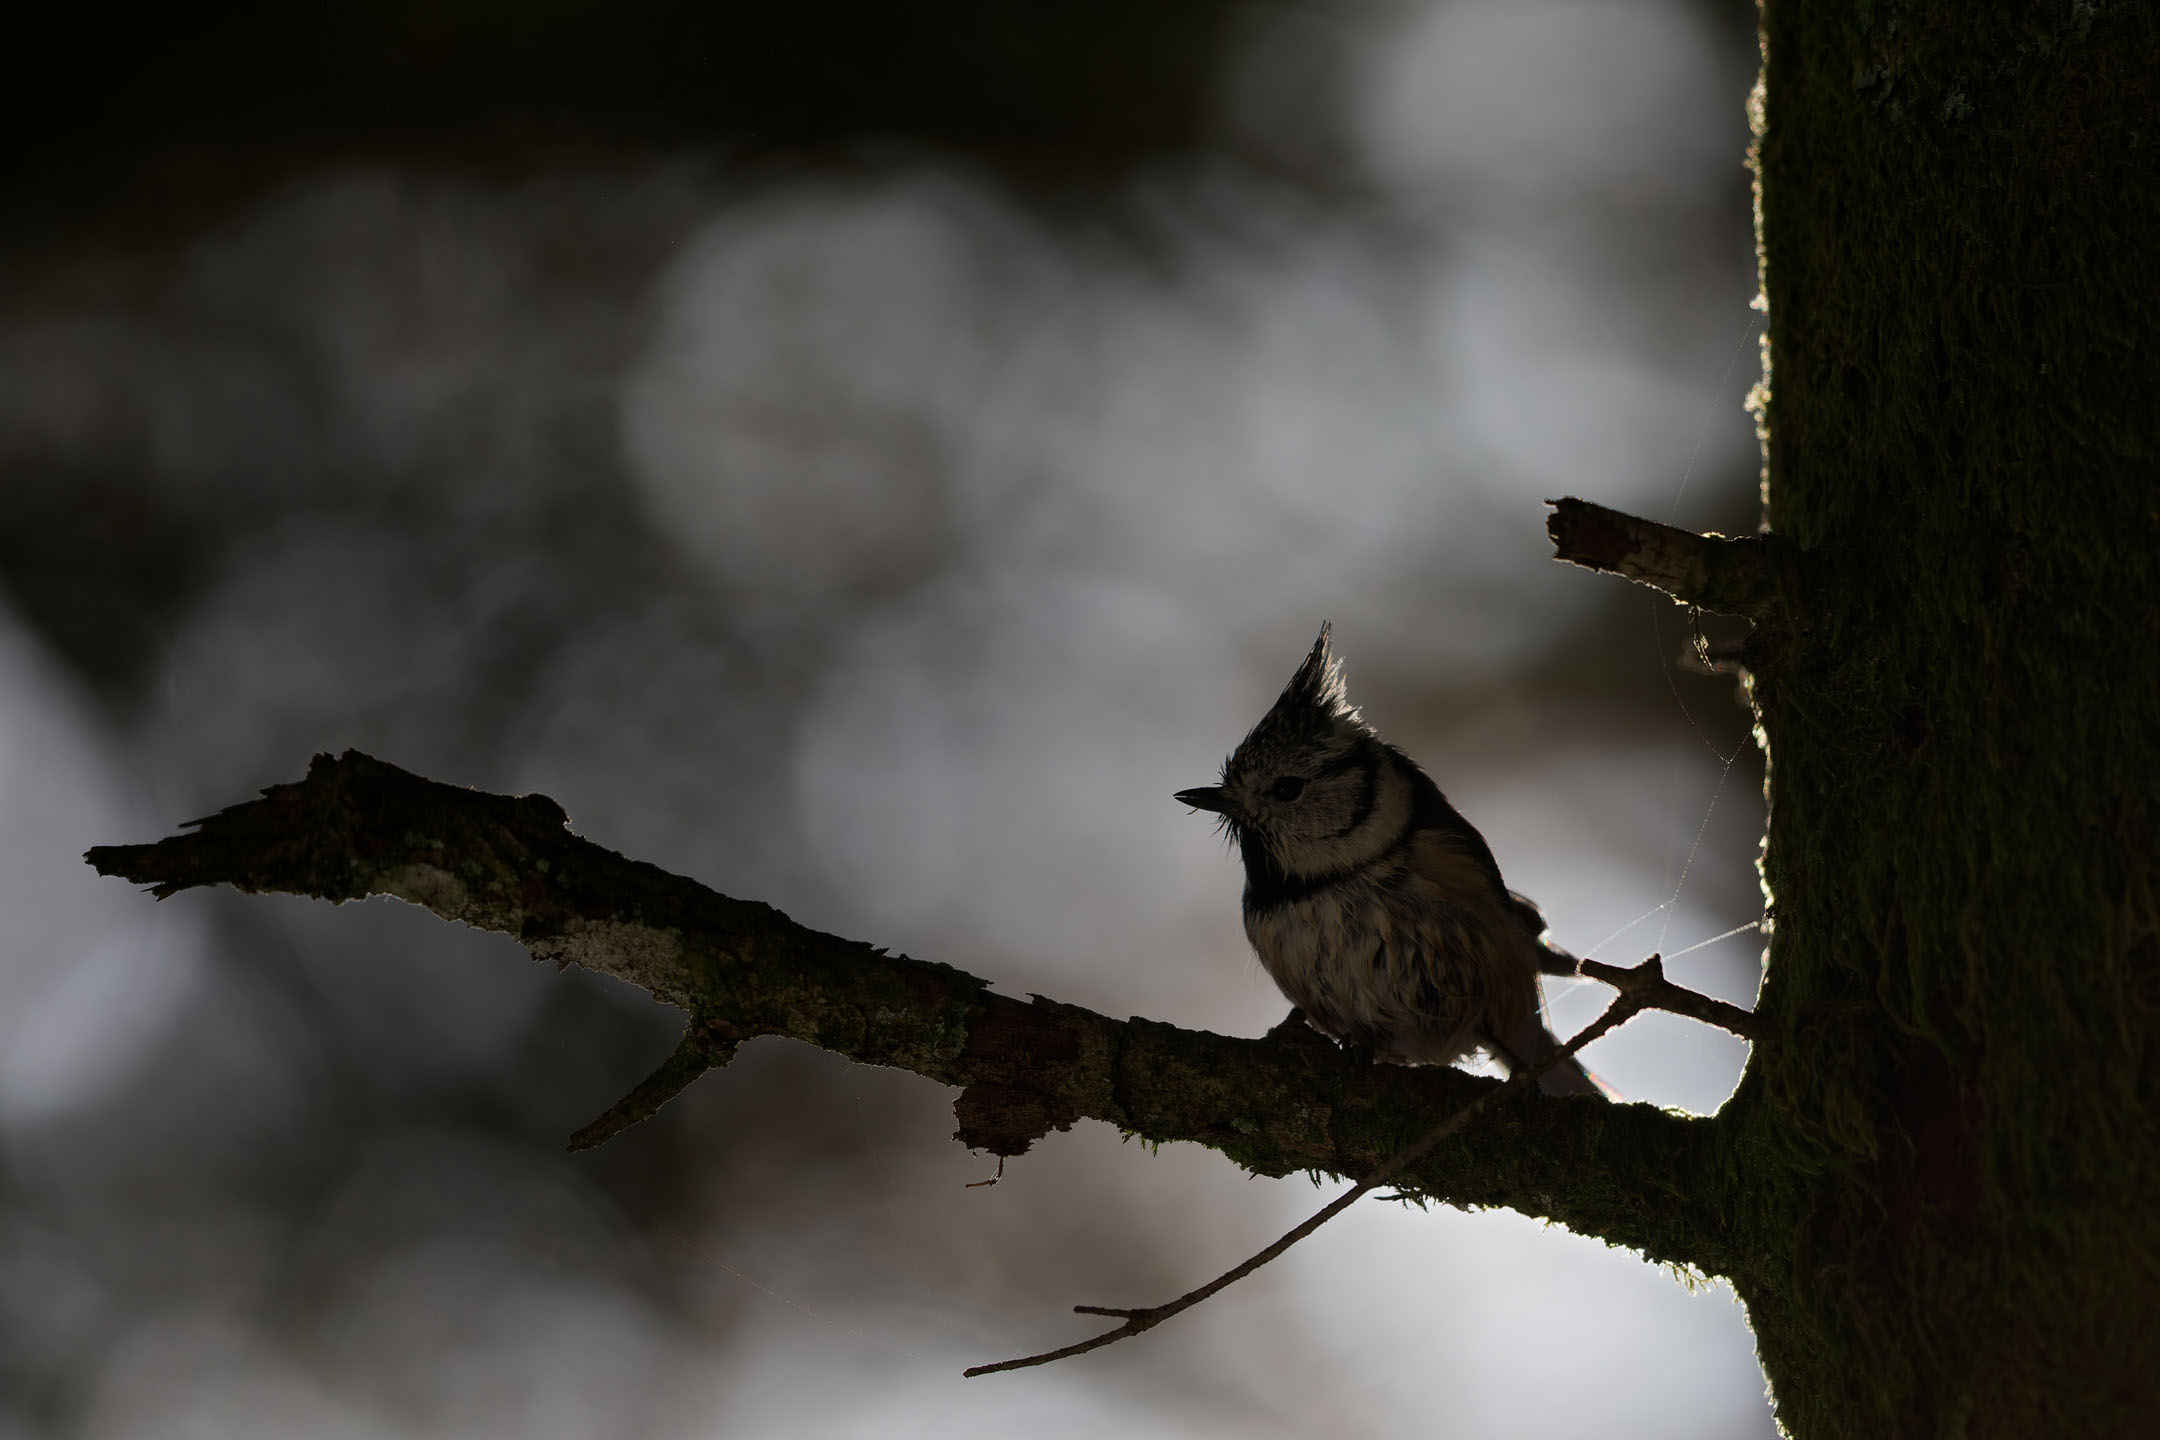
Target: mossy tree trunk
<point>1937,1188</point>
<point>1947,1163</point>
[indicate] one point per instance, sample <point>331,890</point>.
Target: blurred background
<point>863,456</point>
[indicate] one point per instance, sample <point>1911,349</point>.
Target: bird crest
<point>1312,713</point>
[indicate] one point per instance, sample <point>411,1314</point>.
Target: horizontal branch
<point>1731,575</point>
<point>1290,1101</point>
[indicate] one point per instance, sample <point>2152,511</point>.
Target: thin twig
<point>1648,982</point>
<point>1633,997</point>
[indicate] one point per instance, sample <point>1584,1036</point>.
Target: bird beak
<point>1207,797</point>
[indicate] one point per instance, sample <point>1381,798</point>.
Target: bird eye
<point>1289,787</point>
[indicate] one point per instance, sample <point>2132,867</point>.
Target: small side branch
<point>702,1048</point>
<point>1648,984</point>
<point>1639,988</point>
<point>1731,575</point>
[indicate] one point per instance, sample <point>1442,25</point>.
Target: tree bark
<point>1934,1187</point>
<point>1947,1150</point>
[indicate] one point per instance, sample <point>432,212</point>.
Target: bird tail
<point>1531,1042</point>
<point>1551,959</point>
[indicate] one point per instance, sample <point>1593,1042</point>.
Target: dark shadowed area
<point>866,458</point>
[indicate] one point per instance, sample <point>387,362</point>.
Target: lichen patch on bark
<point>648,956</point>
